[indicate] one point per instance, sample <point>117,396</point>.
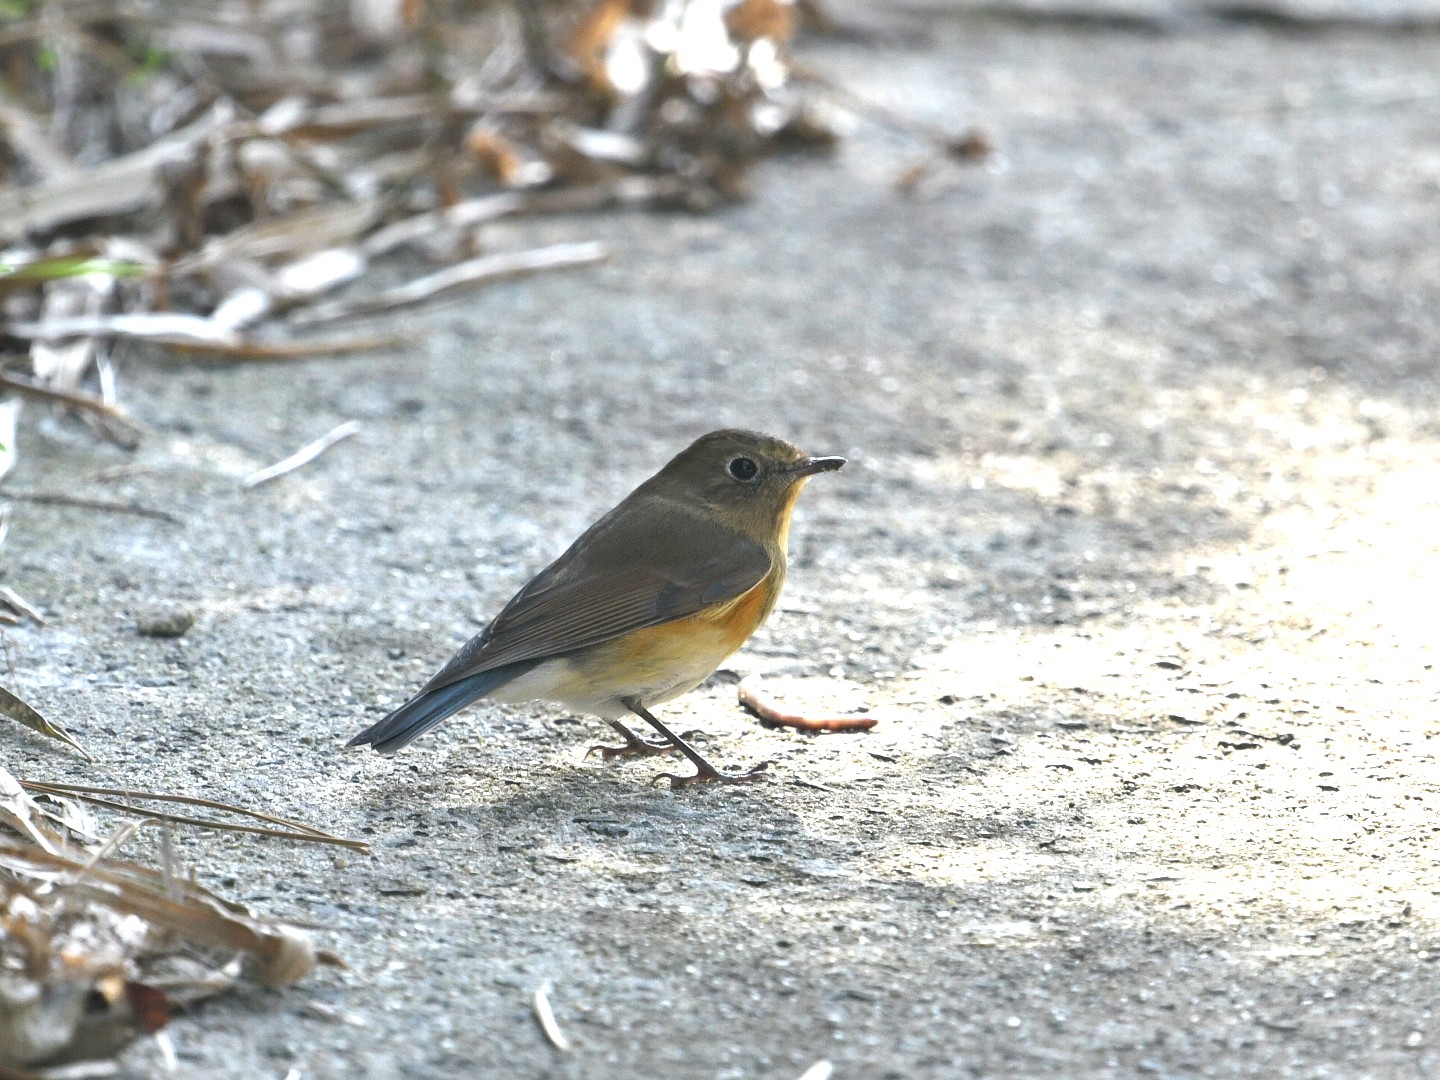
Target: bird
<point>642,607</point>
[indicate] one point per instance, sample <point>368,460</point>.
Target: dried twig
<point>545,1016</point>
<point>113,843</point>
<point>110,799</point>
<point>291,235</point>
<point>56,498</point>
<point>124,184</point>
<point>305,454</point>
<point>481,271</point>
<point>463,215</point>
<point>288,350</point>
<point>970,145</point>
<point>162,328</point>
<point>347,117</point>
<point>28,139</point>
<point>30,388</point>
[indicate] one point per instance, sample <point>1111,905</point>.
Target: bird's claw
<point>708,774</point>
<point>633,746</point>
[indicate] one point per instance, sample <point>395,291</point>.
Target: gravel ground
<point>1137,559</point>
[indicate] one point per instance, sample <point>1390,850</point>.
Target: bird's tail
<point>429,707</point>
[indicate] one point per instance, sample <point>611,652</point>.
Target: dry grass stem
<point>481,271</point>
<point>108,797</point>
<point>304,455</point>
<point>58,498</point>
<point>30,388</point>
<point>545,1017</point>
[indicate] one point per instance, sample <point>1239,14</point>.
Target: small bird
<point>643,607</point>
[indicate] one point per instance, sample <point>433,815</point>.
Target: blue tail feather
<point>429,707</point>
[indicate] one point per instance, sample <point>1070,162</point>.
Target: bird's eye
<point>742,468</point>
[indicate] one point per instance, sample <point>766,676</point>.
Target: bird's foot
<point>633,746</point>
<point>705,773</point>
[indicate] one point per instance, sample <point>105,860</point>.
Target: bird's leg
<point>634,745</point>
<point>705,773</point>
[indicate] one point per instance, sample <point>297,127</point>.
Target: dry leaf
<point>19,811</point>
<point>22,713</point>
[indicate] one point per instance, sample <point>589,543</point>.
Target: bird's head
<point>745,479</point>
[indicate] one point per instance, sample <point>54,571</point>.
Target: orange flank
<point>713,633</point>
<point>661,662</point>
<point>742,616</point>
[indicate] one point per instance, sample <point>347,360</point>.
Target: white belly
<point>559,680</point>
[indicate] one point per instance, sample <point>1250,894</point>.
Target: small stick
<point>92,794</point>
<point>463,215</point>
<point>304,455</point>
<point>810,784</point>
<point>158,327</point>
<point>286,350</point>
<point>22,385</point>
<point>481,271</point>
<point>546,1018</point>
<point>51,787</point>
<point>161,817</point>
<point>120,472</point>
<point>171,1060</point>
<point>56,498</point>
<point>972,145</point>
<point>769,711</point>
<point>119,837</point>
<point>342,118</point>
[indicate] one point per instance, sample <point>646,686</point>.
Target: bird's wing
<point>612,582</point>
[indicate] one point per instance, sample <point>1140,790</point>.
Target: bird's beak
<point>811,466</point>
